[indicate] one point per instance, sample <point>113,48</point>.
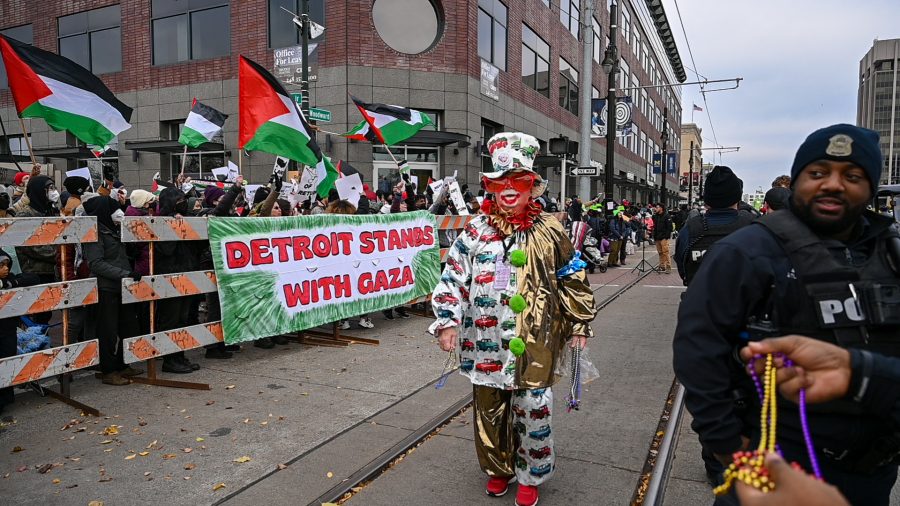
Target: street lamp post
<point>664,161</point>
<point>690,175</point>
<point>610,65</point>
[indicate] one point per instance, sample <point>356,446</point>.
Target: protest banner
<point>280,275</point>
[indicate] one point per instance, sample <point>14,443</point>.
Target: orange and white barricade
<point>47,297</point>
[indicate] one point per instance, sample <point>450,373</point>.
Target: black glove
<point>135,275</point>
<point>275,182</point>
<point>4,201</point>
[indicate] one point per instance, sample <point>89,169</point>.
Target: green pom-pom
<point>517,346</point>
<point>517,303</point>
<point>518,258</point>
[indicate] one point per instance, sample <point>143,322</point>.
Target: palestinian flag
<point>345,169</point>
<point>271,122</point>
<point>387,124</point>
<point>202,124</point>
<point>68,97</point>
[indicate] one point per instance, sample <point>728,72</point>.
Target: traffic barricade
<point>153,229</point>
<point>62,360</point>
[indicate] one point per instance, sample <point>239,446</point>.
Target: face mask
<point>118,216</point>
<point>53,195</point>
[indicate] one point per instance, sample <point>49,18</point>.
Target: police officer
<point>721,194</point>
<point>823,269</point>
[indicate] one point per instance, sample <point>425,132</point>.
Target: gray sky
<point>799,60</point>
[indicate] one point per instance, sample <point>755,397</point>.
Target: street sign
<point>298,98</point>
<point>584,171</point>
<point>320,115</point>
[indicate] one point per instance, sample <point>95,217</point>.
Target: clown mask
<point>512,191</point>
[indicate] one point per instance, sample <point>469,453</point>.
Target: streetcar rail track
<point>651,485</point>
<point>345,490</point>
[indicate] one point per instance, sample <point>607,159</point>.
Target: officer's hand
<point>821,368</point>
<point>792,487</point>
<point>447,338</point>
<point>726,460</point>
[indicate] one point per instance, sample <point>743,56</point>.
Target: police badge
<point>840,145</point>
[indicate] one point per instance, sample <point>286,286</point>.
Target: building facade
<point>477,67</point>
<point>690,162</point>
<point>878,102</point>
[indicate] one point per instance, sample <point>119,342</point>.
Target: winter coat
<point>174,256</point>
<point>40,260</point>
<point>662,226</point>
<point>108,259</point>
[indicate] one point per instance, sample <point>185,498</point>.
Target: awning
<point>167,146</point>
<point>71,153</point>
<point>433,138</point>
<point>668,39</point>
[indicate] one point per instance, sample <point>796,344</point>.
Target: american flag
<point>698,108</point>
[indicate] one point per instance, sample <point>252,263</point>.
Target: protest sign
<point>349,188</point>
<point>279,275</point>
<point>82,172</point>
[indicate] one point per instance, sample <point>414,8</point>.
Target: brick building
<point>477,66</point>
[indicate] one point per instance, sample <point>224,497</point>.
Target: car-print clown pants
<point>513,434</point>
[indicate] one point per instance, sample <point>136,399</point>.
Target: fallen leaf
<point>182,411</point>
<point>187,450</point>
<point>112,430</point>
<point>44,468</point>
<point>22,469</point>
<point>56,481</point>
<point>188,467</point>
<point>72,485</point>
<point>144,454</point>
<point>246,420</point>
<point>188,478</point>
<point>241,460</point>
<point>329,474</point>
<point>229,387</point>
<point>282,467</point>
<point>147,473</point>
<point>80,429</point>
<point>210,403</point>
<point>142,423</point>
<point>151,445</point>
<point>218,486</point>
<point>199,439</point>
<point>95,503</point>
<point>107,451</point>
<point>106,442</point>
<point>168,456</point>
<point>305,393</point>
<point>17,449</point>
<point>264,423</point>
<point>133,455</point>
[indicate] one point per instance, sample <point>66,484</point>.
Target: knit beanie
<point>210,194</point>
<point>21,176</point>
<point>76,185</point>
<point>140,198</point>
<point>841,143</point>
<point>723,188</point>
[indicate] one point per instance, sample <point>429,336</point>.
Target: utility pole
<point>664,162</point>
<point>691,175</point>
<point>587,67</point>
<point>611,65</point>
<point>304,42</point>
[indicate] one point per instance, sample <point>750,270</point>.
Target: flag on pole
<point>68,97</point>
<point>345,169</point>
<point>698,108</point>
<point>202,125</point>
<point>387,124</point>
<point>271,122</point>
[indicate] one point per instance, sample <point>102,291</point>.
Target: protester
<point>513,401</point>
<point>9,326</point>
<point>400,203</point>
<point>777,198</point>
<point>41,260</point>
<point>173,257</point>
<point>109,263</point>
<point>782,182</point>
<point>789,271</point>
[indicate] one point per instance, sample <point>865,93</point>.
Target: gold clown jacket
<point>473,294</point>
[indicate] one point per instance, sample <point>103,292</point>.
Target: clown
<point>512,294</point>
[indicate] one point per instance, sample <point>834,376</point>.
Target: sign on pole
<point>322,115</point>
<point>490,80</point>
<point>289,63</point>
<point>584,171</point>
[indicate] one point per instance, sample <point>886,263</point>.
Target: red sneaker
<point>496,487</point>
<point>527,496</point>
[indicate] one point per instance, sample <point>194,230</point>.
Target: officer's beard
<point>826,228</point>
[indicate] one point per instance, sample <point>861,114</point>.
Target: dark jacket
<point>174,256</point>
<point>735,282</point>
<point>662,226</point>
<point>714,218</point>
<point>138,252</point>
<point>108,259</point>
<point>40,260</point>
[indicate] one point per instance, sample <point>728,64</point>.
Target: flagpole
<point>183,159</point>
<point>27,141</point>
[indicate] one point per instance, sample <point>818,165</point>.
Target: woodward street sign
<point>584,171</point>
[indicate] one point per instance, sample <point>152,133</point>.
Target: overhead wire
<point>699,76</point>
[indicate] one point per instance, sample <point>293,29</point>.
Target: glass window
<point>595,93</point>
<point>568,87</point>
<point>636,41</point>
<point>535,61</point>
<point>626,23</point>
<point>93,39</point>
<point>570,15</point>
<point>492,32</point>
<point>190,30</point>
<point>282,30</point>
<point>22,33</point>
<point>596,41</point>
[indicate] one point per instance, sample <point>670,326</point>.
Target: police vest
<point>702,236</point>
<point>842,304</point>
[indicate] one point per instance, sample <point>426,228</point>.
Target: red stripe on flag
<point>26,86</point>
<point>371,121</point>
